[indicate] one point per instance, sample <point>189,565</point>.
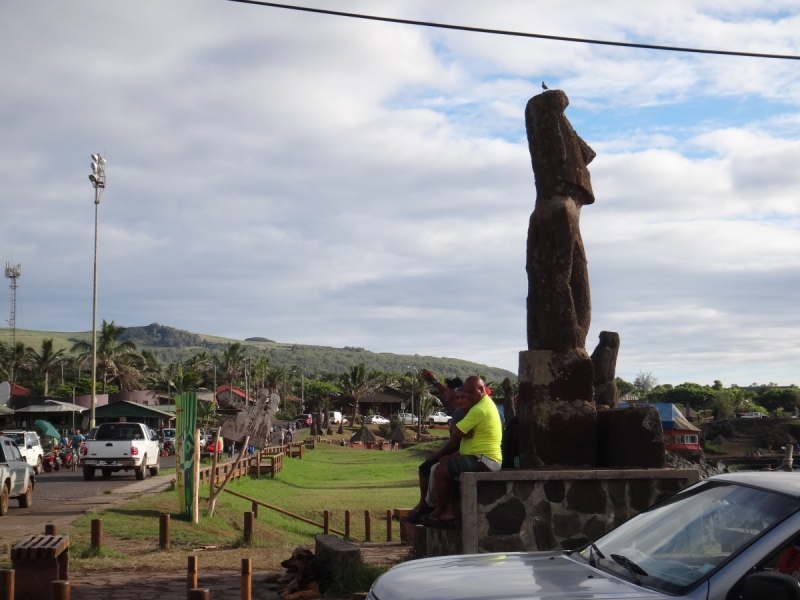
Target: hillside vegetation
<point>170,345</point>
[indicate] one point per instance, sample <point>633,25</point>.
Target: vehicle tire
<point>4,501</point>
<point>26,500</point>
<point>106,473</point>
<point>39,468</point>
<point>154,470</point>
<point>449,422</point>
<point>141,471</point>
<point>56,466</point>
<point>88,473</point>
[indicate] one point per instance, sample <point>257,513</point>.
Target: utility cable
<point>542,36</point>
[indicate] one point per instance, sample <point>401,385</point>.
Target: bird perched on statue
<point>544,86</point>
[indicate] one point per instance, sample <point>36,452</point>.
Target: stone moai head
<point>559,155</point>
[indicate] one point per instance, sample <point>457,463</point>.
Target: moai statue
<point>604,359</point>
<point>556,375</point>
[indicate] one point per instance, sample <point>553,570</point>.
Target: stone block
<point>490,492</point>
<point>335,553</point>
<point>567,525</point>
<point>420,541</point>
<point>586,497</point>
<point>641,494</point>
<point>554,491</point>
<point>506,518</point>
<point>629,438</point>
<point>557,412</point>
<point>407,532</point>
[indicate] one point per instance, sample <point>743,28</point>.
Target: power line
<point>519,33</point>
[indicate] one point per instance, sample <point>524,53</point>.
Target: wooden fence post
<point>191,574</point>
<point>247,572</point>
<point>367,527</point>
<point>59,590</point>
<point>6,584</point>
<point>163,531</point>
<point>199,594</point>
<point>50,529</point>
<point>326,522</point>
<point>97,533</point>
<point>347,524</point>
<point>388,525</point>
<point>248,526</point>
<point>254,509</point>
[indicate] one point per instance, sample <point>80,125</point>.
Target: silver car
<point>16,476</point>
<point>701,543</point>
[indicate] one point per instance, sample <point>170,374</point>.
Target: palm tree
<point>13,359</point>
<point>182,380</point>
<point>414,383</point>
<point>359,383</point>
<point>110,354</point>
<point>232,363</point>
<point>45,361</point>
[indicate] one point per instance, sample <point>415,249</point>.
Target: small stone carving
<point>604,359</point>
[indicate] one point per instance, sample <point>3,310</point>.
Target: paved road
<point>62,497</point>
<point>70,485</point>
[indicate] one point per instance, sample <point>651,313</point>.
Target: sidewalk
<point>136,585</point>
<point>20,523</point>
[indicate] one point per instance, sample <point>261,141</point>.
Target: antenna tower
<point>12,273</point>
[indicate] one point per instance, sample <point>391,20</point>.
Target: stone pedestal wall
<point>527,510</point>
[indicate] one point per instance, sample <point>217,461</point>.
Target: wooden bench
<point>38,560</point>
<point>273,464</point>
<point>297,449</point>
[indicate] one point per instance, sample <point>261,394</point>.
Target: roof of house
<point>51,406</point>
<point>236,390</point>
<point>18,390</point>
<point>125,408</point>
<point>364,435</point>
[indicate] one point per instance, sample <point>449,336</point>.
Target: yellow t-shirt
<point>485,420</point>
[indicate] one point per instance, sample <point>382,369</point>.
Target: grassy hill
<point>176,345</point>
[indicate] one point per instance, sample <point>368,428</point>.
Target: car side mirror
<point>772,585</point>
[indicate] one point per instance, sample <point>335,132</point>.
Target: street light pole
<point>98,179</point>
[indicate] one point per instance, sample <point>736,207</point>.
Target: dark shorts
<point>425,468</point>
<point>463,464</point>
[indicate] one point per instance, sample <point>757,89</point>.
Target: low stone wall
<point>526,510</point>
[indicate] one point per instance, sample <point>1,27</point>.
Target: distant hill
<point>176,345</point>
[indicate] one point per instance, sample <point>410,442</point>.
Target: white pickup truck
<point>121,447</point>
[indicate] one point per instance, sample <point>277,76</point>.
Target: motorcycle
<point>51,461</point>
<point>70,458</point>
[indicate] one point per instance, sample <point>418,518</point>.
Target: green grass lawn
<point>330,478</point>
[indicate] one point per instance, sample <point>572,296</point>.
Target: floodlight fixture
<point>95,157</point>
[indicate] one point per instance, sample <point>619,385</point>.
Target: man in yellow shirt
<point>480,452</point>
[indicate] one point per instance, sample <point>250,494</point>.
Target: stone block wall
<point>527,510</point>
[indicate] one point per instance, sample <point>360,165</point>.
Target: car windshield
<point>675,544</point>
<point>118,432</point>
<point>169,433</point>
<point>17,438</point>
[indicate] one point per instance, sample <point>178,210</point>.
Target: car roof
<point>775,481</point>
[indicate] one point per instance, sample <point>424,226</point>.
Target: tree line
<point>724,402</point>
<point>122,366</point>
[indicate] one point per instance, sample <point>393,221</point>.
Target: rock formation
<point>604,359</point>
<point>556,375</point>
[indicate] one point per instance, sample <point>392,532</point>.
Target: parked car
<point>122,447</point>
<point>753,415</point>
<point>16,476</point>
<point>301,421</point>
<point>438,418</point>
<point>376,420</point>
<point>701,543</point>
<point>168,440</point>
<point>29,446</point>
<point>335,417</point>
<point>406,418</point>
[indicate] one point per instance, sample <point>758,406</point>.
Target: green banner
<point>185,419</point>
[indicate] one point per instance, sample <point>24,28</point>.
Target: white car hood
<point>528,575</point>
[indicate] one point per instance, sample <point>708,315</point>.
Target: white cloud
<point>320,180</point>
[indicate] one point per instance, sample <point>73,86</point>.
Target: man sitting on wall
<point>454,395</point>
<point>481,452</point>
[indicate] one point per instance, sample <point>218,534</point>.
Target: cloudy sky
<point>321,180</point>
